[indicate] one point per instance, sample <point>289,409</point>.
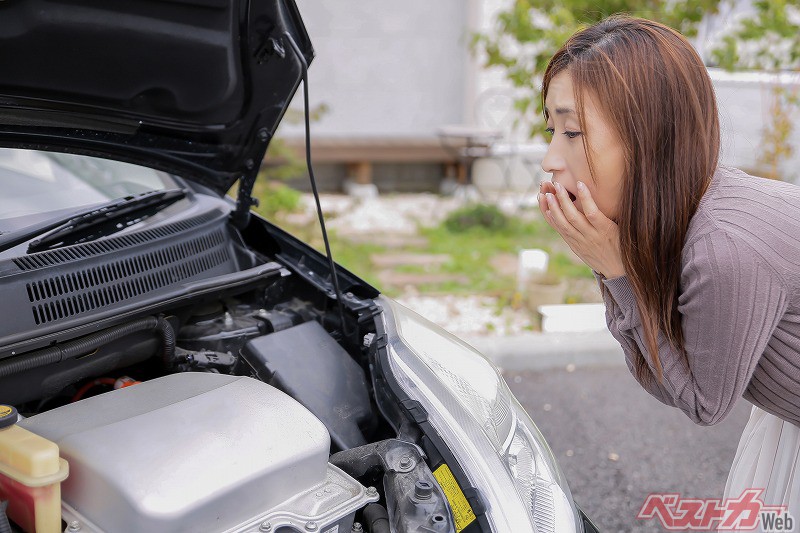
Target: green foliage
<point>471,252</point>
<point>770,40</point>
<point>476,216</point>
<point>775,145</point>
<point>275,197</point>
<point>529,32</point>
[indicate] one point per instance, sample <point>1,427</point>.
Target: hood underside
<point>192,87</point>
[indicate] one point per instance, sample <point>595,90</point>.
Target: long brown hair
<point>653,88</point>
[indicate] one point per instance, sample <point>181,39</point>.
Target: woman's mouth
<point>572,197</point>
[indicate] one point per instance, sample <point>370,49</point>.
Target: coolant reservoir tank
<point>31,473</point>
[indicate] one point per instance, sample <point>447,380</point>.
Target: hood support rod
<point>304,66</point>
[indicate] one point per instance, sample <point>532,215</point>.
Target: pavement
<point>616,444</point>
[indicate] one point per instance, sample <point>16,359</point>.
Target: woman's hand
<point>591,235</point>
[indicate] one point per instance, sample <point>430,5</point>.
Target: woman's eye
<point>572,134</point>
<point>550,131</point>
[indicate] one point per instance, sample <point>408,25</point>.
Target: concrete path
<point>541,351</point>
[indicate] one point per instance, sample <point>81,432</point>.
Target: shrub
<point>476,216</point>
<point>277,198</point>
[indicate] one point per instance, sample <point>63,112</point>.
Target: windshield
<point>35,183</point>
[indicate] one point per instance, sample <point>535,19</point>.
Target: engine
<point>218,391</point>
<point>198,452</point>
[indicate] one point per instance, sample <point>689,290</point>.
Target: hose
<point>5,527</point>
<point>167,340</point>
<point>376,519</point>
<point>78,347</point>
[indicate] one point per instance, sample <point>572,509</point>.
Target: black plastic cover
<point>54,291</point>
<point>309,365</point>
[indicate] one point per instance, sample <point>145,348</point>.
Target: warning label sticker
<point>462,511</point>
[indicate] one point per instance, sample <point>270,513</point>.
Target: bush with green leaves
<point>476,216</point>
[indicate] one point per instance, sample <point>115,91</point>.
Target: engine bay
<point>244,406</point>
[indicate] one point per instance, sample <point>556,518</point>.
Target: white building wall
<point>394,69</point>
<point>744,111</point>
<point>386,68</point>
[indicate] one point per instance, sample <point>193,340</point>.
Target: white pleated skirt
<point>768,457</point>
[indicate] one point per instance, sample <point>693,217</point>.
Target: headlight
<point>500,449</point>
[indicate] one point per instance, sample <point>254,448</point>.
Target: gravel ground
<point>469,316</point>
<point>401,215</point>
<point>398,216</point>
<point>387,214</point>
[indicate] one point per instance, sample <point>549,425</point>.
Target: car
<point>172,361</point>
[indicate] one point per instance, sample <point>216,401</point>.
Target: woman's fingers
<point>557,218</point>
<point>571,213</point>
<point>564,216</point>
<point>590,234</point>
<point>546,187</point>
<point>590,210</point>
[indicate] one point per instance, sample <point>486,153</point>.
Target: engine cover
<point>197,452</point>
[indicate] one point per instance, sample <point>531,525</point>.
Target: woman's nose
<point>552,161</point>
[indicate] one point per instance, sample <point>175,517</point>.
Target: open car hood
<point>192,87</point>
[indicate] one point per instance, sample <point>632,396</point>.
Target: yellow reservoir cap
<point>8,416</point>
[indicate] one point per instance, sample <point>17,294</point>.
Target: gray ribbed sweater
<point>739,304</point>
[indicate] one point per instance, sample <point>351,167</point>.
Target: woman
<point>698,264</point>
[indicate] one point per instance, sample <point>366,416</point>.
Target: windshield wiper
<point>106,219</point>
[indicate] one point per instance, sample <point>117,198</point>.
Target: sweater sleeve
<point>613,317</point>
<point>730,303</point>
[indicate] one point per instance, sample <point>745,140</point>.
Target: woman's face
<point>566,157</point>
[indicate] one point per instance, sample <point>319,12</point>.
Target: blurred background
<point>427,141</point>
<point>391,76</point>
